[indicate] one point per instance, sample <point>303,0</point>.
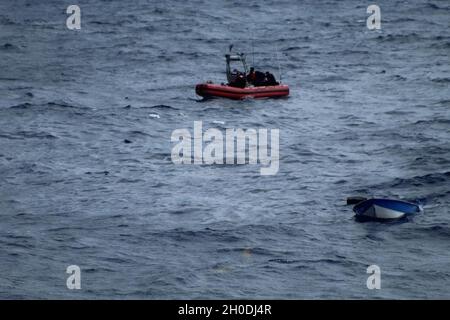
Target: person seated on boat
<point>259,79</point>
<point>234,75</point>
<point>239,81</point>
<point>270,80</point>
<point>251,76</point>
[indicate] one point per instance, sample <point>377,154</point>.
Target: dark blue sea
<point>86,176</point>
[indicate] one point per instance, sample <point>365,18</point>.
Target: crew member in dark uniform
<point>251,77</point>
<point>259,79</point>
<point>239,81</point>
<point>270,79</point>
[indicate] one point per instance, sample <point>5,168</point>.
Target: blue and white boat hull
<point>384,209</point>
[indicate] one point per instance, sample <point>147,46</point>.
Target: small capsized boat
<point>385,209</point>
<point>238,87</point>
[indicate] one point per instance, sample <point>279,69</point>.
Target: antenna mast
<point>279,65</point>
<point>253,50</point>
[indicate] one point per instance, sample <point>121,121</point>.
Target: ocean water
<point>368,114</point>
